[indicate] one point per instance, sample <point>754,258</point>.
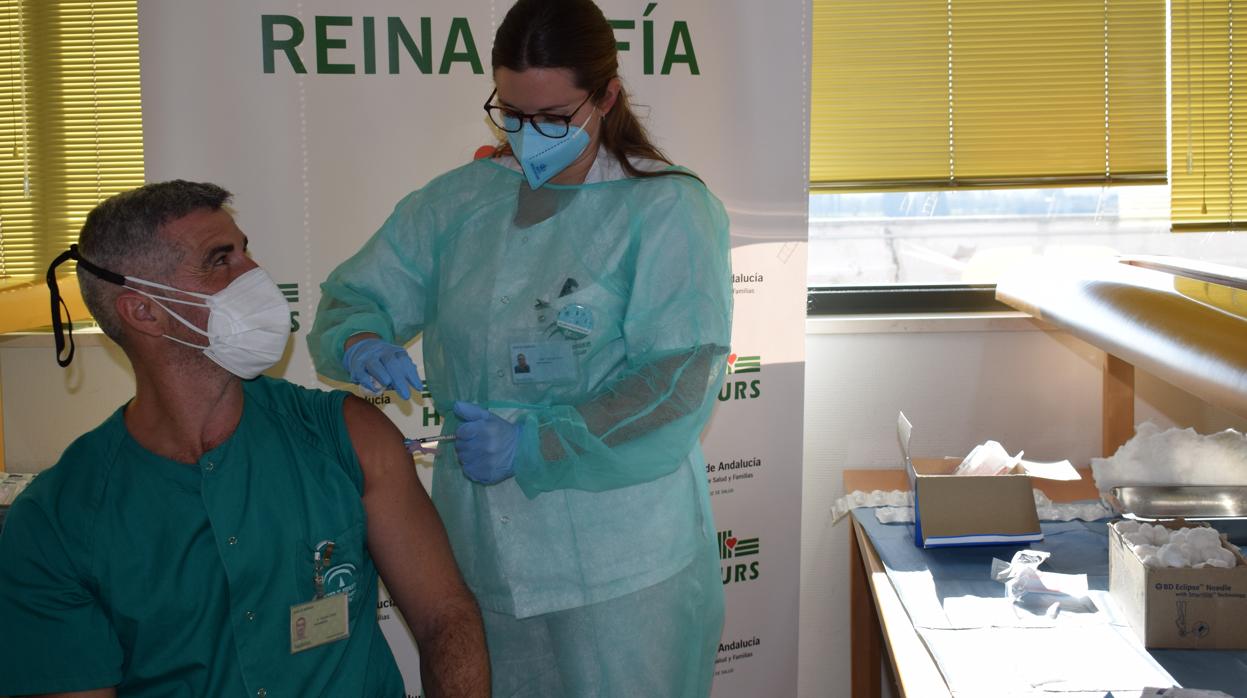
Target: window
<point>967,236</point>
<point>950,139</point>
<point>70,122</point>
<point>1209,192</point>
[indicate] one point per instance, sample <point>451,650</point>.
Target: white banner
<point>321,115</point>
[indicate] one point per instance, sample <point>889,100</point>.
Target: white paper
<point>903,431</point>
<point>1060,470</point>
<point>999,612</point>
<point>988,458</point>
<point>1083,657</point>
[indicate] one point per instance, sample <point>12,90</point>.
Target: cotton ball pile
<point>1195,547</point>
<point>1143,533</point>
<point>1087,510</point>
<point>1158,546</point>
<point>1155,456</point>
<point>876,498</point>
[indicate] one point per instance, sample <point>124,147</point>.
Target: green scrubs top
<point>618,294</point>
<point>122,568</point>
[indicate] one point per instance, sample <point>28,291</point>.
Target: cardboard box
<point>960,510</point>
<point>1178,607</point>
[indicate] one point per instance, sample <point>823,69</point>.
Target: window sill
<point>85,337</point>
<point>897,323</point>
<point>903,299</point>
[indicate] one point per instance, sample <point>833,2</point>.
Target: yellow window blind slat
<point>913,94</point>
<point>1209,177</point>
<point>853,62</point>
<point>70,121</point>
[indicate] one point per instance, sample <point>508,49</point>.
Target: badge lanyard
<point>318,569</point>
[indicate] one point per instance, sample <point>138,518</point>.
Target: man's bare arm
<point>412,554</point>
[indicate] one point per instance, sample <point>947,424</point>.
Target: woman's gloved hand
<point>485,443</point>
<point>376,366</point>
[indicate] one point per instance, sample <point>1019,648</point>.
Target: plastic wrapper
<point>1041,593</point>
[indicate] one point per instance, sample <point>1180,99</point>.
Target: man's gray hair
<point>122,234</point>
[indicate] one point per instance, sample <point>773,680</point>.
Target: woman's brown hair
<point>574,35</point>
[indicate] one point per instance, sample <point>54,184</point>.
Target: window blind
<point>70,122</point>
<point>1208,191</point>
<point>911,94</point>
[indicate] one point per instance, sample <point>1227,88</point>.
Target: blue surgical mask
<point>543,157</point>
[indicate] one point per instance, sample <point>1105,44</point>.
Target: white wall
<point>961,381</point>
<point>45,407</point>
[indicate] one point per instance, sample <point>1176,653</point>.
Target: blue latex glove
<point>376,365</point>
<point>485,443</point>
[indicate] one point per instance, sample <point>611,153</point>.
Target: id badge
<point>551,361</point>
<point>319,622</point>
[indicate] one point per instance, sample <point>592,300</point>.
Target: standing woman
<point>575,495</point>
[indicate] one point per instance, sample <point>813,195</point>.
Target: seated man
<point>221,534</point>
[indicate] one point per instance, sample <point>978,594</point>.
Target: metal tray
<point>1187,501</point>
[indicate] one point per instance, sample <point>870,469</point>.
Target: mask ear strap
<point>62,331</point>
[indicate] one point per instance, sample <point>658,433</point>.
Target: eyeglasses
<point>549,125</point>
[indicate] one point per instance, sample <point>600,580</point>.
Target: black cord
<point>63,331</point>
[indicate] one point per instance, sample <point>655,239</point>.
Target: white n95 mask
<point>248,322</point>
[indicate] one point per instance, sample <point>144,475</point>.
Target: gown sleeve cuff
<point>333,341</point>
<point>529,466</point>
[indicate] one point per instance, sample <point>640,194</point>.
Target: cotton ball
<point>1203,537</point>
<point>1127,526</point>
<point>1194,555</point>
<point>1224,556</point>
<point>1199,536</point>
<point>1205,549</point>
<point>1179,539</point>
<point>1145,550</point>
<point>1151,560</point>
<point>1171,555</point>
<point>1198,544</point>
<point>1204,554</point>
<point>1138,538</point>
<point>1155,533</point>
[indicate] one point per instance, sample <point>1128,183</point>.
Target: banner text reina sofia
<point>328,42</point>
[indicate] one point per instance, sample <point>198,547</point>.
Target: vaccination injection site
<point>623,349</point>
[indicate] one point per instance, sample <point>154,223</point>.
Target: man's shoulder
<point>312,415</point>
<point>73,487</point>
<point>281,394</point>
<point>89,456</point>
